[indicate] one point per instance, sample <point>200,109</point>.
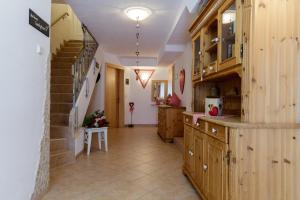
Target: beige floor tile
<point>138,166</point>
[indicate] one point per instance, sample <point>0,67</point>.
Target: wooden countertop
<point>235,122</point>
<point>167,106</point>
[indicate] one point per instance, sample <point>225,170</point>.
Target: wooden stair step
<point>61,80</point>
<point>73,44</point>
<point>61,108</point>
<point>57,64</point>
<point>61,97</point>
<point>71,49</point>
<point>79,41</point>
<point>59,119</point>
<point>58,131</point>
<point>61,72</point>
<point>67,54</point>
<point>61,158</point>
<point>64,59</point>
<point>58,144</point>
<point>61,88</point>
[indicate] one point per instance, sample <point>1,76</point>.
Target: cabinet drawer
<point>201,125</point>
<point>217,131</point>
<point>188,119</point>
<point>210,69</point>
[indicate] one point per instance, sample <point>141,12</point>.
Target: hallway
<point>138,165</point>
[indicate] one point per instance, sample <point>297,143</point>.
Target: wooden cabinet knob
<point>214,131</point>
<point>191,153</point>
<point>205,167</point>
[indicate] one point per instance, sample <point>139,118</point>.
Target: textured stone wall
<point>42,178</point>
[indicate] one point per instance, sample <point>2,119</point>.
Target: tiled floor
<point>137,166</point>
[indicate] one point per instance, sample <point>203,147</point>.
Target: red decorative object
<point>174,100</point>
<point>144,75</point>
<point>213,110</point>
<point>131,109</point>
<point>182,80</point>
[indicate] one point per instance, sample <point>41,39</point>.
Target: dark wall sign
<point>38,23</point>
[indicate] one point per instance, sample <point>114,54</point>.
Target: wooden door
<point>189,149</point>
<point>112,96</point>
<point>216,169</point>
<point>199,159</point>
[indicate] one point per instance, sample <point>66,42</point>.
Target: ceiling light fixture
<point>138,13</point>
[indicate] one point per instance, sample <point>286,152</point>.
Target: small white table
<point>102,136</point>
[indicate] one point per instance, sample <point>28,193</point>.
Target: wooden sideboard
<point>255,156</point>
<point>227,159</point>
<point>170,123</point>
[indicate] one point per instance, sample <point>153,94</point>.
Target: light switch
<point>38,49</point>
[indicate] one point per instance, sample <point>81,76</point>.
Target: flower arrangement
<point>95,120</point>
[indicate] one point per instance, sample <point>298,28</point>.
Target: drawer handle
<point>187,119</point>
<point>214,131</point>
<point>191,153</point>
<point>205,167</point>
<point>211,68</point>
<point>197,124</point>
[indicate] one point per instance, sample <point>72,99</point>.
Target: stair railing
<point>82,63</point>
<point>62,17</point>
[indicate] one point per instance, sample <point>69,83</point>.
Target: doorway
<point>114,95</point>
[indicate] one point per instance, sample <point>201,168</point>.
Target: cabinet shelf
<point>212,47</point>
<point>213,63</point>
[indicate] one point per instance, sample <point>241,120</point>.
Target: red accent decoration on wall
<point>182,80</point>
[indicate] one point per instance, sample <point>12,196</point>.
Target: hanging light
<point>140,13</point>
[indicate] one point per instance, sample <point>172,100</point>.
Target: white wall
<point>97,100</point>
<point>23,84</point>
<point>145,110</point>
<point>184,61</point>
<point>67,29</point>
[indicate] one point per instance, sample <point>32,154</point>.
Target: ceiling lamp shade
<point>138,13</point>
<point>143,76</point>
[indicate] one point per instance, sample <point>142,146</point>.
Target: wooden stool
<point>101,132</point>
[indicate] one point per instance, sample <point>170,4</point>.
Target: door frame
<point>121,92</point>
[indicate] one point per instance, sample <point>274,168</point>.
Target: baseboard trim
<point>142,125</point>
<point>79,154</point>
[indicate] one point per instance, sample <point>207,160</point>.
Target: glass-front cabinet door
<point>230,33</point>
<point>211,41</point>
<point>197,56</point>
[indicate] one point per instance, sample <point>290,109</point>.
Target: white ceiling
<point>116,33</point>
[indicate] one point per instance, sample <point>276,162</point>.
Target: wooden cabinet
<point>206,160</point>
<point>257,157</point>
<point>170,123</point>
<point>200,153</point>
<point>230,34</point>
<point>217,42</point>
<point>211,41</point>
<point>197,56</point>
<point>189,152</point>
<point>217,170</point>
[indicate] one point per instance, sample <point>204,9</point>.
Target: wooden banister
<point>60,18</point>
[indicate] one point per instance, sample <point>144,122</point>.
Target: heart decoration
<point>182,80</point>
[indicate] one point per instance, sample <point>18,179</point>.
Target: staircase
<point>61,103</point>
